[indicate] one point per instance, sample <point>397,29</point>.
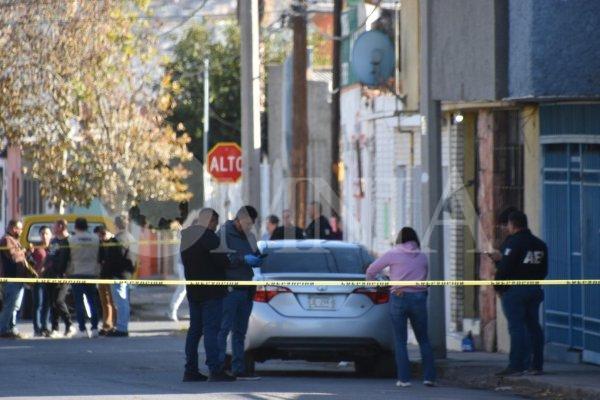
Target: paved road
<point>149,366</point>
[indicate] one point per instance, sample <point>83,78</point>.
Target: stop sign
<point>225,162</point>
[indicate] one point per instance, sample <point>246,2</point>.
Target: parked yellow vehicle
<point>33,223</point>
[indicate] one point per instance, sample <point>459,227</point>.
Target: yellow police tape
<point>547,282</point>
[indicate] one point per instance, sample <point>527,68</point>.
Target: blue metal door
<point>571,220</point>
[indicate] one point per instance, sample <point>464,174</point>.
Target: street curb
<point>481,377</point>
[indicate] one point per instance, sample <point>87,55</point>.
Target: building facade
<point>522,78</point>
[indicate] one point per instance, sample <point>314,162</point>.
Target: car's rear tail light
<point>264,294</point>
<point>377,295</point>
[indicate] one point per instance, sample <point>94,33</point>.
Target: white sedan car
<point>323,323</point>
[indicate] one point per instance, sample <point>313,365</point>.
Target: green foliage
<point>76,95</point>
<point>185,72</point>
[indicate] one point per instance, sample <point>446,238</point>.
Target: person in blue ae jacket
<point>522,256</point>
<point>238,241</point>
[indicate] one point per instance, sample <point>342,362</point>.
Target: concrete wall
<point>319,146</point>
<point>410,50</point>
<point>277,161</point>
<point>319,143</point>
<point>469,48</point>
<point>554,48</point>
<point>532,166</point>
<point>386,145</point>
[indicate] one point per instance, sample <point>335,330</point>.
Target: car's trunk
<point>319,301</point>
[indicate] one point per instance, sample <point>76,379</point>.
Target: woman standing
<point>41,303</point>
<point>407,263</point>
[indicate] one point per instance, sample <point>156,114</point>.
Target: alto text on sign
<point>225,162</point>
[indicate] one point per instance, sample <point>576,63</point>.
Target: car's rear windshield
<point>351,260</point>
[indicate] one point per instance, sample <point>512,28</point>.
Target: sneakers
<point>54,334</point>
<point>244,376</point>
<point>94,333</point>
<point>221,377</point>
<point>81,335</point>
<point>194,377</point>
<point>70,331</point>
<point>403,384</point>
<point>509,372</point>
<point>429,383</point>
<point>116,333</point>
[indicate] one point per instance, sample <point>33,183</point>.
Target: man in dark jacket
<point>287,230</point>
<point>57,261</point>
<point>121,266</point>
<point>12,257</point>
<point>523,257</point>
<point>238,241</point>
<point>202,262</point>
<point>319,227</point>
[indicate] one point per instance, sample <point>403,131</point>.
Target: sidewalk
<point>560,381</point>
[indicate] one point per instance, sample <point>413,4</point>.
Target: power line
<point>185,20</point>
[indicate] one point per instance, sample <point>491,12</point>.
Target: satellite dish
<point>373,58</point>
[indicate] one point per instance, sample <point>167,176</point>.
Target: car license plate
<point>321,302</point>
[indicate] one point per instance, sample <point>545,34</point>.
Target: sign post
<point>225,162</point>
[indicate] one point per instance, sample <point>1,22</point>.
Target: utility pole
<point>299,114</point>
<point>206,125</point>
<point>250,95</point>
<point>335,105</point>
<point>205,130</point>
<point>431,156</point>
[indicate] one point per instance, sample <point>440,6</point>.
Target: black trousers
<point>58,293</point>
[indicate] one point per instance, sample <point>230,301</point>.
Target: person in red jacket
<point>41,304</point>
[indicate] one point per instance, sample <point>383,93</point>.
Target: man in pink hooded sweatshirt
<point>407,263</point>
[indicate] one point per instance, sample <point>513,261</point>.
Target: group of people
<point>522,256</point>
<point>229,253</point>
<point>60,254</point>
<point>320,227</point>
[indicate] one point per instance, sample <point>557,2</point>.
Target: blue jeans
<point>413,307</point>
<point>205,319</point>
<point>120,296</point>
<point>13,297</point>
<point>237,308</point>
<point>521,305</point>
<point>41,307</point>
<point>91,293</point>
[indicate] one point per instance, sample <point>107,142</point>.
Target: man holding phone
<point>522,257</point>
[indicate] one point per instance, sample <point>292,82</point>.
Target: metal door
<point>571,221</point>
